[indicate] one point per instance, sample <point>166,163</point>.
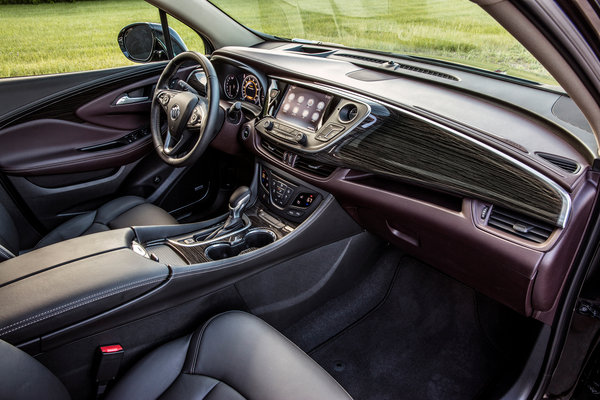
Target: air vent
<point>362,58</point>
<point>273,150</point>
<point>297,161</point>
<point>399,65</point>
<point>315,168</point>
<point>563,163</point>
<point>519,225</point>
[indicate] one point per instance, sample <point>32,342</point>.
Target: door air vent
<point>519,225</point>
<point>399,65</point>
<point>563,163</point>
<point>298,162</point>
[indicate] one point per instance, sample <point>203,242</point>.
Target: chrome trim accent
<point>125,99</point>
<point>229,243</point>
<point>566,206</point>
<point>241,206</point>
<point>262,230</point>
<point>247,224</point>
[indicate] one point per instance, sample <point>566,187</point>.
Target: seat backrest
<point>9,236</point>
<point>23,377</point>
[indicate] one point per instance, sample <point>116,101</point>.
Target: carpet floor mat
<point>421,341</point>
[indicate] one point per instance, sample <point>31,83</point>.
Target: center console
<point>281,203</point>
<point>73,288</point>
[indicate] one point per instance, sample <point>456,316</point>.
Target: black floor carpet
<point>421,341</point>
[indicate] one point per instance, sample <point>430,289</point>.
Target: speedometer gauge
<point>251,89</point>
<point>231,87</point>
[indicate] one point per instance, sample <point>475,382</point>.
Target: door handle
<point>125,99</point>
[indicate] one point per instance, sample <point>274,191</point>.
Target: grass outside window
<point>79,36</point>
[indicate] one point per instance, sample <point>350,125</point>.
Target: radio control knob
<point>268,125</point>
<point>301,138</point>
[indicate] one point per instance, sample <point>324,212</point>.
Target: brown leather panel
<point>102,111</point>
<point>557,262</point>
<point>50,146</point>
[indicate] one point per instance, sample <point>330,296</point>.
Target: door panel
<point>59,96</point>
<point>52,146</point>
<point>66,146</point>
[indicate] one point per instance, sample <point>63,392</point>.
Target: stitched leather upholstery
<point>119,213</point>
<point>23,377</point>
<point>235,355</point>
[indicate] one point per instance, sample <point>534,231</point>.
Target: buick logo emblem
<point>175,112</point>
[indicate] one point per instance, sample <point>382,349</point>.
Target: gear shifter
<point>237,204</point>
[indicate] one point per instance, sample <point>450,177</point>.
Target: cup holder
<point>252,240</point>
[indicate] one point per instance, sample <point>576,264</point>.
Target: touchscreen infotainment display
<point>303,107</point>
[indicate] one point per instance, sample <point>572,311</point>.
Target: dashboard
<point>429,163</point>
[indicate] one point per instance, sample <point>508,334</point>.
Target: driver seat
<point>119,213</point>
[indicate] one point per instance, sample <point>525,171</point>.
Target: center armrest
<point>71,281</point>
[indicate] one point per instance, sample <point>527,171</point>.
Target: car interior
<point>406,229</point>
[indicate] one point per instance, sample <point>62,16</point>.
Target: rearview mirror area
<point>143,42</point>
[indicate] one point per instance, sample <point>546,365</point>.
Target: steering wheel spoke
<point>173,147</point>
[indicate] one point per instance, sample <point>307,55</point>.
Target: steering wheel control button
<point>164,98</point>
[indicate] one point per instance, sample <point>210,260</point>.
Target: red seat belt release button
<point>110,357</point>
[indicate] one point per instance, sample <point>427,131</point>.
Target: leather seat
<point>233,356</point>
<point>119,213</point>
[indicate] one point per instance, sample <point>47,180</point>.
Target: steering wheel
<point>192,119</point>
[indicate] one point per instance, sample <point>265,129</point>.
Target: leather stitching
<point>75,304</point>
<point>199,340</point>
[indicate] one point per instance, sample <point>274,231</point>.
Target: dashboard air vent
<point>297,161</point>
<point>519,225</point>
<point>315,168</point>
<point>273,150</point>
<point>362,58</point>
<point>400,65</point>
<point>563,163</point>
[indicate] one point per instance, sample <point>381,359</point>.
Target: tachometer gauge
<point>231,87</point>
<point>251,89</point>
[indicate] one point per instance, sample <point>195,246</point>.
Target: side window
<point>73,36</point>
<point>192,40</point>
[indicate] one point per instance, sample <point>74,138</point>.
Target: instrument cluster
<point>244,87</point>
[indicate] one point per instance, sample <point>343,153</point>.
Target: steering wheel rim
<point>191,118</point>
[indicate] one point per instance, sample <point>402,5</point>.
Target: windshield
<point>451,30</point>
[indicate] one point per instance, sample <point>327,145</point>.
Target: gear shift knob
<point>239,200</point>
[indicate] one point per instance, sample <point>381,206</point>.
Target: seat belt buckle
<point>109,362</point>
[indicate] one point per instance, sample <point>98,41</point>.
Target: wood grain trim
<point>410,147</point>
